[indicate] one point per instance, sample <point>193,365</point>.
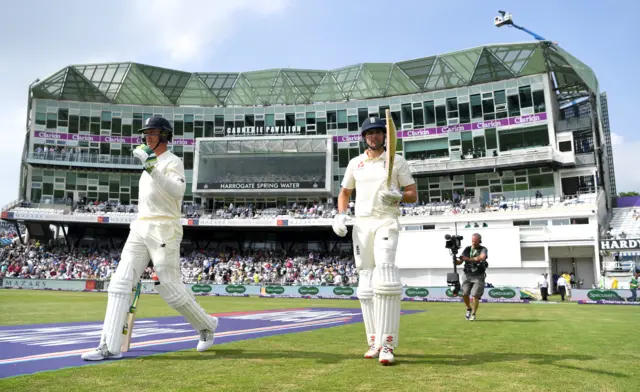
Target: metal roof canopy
<point>139,84</point>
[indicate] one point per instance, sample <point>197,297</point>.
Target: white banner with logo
<point>445,294</point>
<point>46,284</point>
<point>605,297</point>
<point>426,294</point>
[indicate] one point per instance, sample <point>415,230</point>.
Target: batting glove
<point>339,226</point>
<point>390,198</point>
<point>146,156</point>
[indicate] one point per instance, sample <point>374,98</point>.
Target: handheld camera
<point>453,243</point>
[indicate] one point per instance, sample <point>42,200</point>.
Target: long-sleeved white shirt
<point>369,177</point>
<point>161,192</point>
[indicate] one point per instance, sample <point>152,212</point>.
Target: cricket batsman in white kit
<point>155,234</point>
<point>375,236</point>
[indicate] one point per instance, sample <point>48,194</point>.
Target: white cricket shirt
<point>161,192</point>
<point>369,176</point>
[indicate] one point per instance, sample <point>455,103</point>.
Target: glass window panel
<point>41,118</point>
<point>452,104</point>
<point>84,123</point>
<point>464,114</point>
<point>526,100</point>
<point>429,113</point>
<point>407,115</point>
<point>520,139</point>
<point>487,106</point>
<point>491,139</point>
<point>342,116</point>
<point>74,124</point>
<point>52,121</point>
<point>343,157</point>
<point>476,106</point>
<point>270,120</point>
<point>418,118</point>
<point>538,101</point>
<point>441,115</point>
<point>513,104</point>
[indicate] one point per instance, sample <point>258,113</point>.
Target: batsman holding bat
<point>155,234</point>
<point>375,232</point>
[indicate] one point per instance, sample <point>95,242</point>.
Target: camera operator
<point>474,258</point>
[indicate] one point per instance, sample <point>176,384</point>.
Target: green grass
<point>510,347</point>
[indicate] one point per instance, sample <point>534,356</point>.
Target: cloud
<point>167,33</point>
<point>625,161</point>
<point>616,139</point>
<point>189,32</point>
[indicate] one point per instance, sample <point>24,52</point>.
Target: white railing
<point>542,154</point>
<point>619,266</point>
<point>67,158</point>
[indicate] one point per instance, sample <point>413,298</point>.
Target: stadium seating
<point>227,266</point>
<point>625,223</point>
<point>466,206</point>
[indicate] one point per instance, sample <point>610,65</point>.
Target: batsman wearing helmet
<point>155,234</point>
<point>375,236</point>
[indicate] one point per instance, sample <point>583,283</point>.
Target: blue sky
<point>40,37</point>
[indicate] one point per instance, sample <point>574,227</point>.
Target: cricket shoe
<point>386,355</point>
<point>468,314</point>
<point>207,336</point>
<point>373,352</point>
<point>100,354</point>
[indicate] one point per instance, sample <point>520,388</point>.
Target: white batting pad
<point>365,295</point>
<point>387,298</point>
<point>176,296</point>
<point>118,302</point>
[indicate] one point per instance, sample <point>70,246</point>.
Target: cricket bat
<point>127,330</point>
<point>392,138</point>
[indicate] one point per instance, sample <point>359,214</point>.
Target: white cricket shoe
<point>207,336</point>
<point>372,353</point>
<point>100,354</point>
<point>386,355</point>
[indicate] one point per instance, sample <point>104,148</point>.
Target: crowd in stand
<point>229,266</point>
<point>315,210</point>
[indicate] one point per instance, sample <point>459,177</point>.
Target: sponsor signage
<point>243,186</point>
<point>444,294</point>
<point>520,120</point>
<point>603,297</point>
<point>46,284</point>
<point>620,244</point>
<point>503,122</point>
<point>427,294</point>
<point>102,139</point>
<point>268,130</point>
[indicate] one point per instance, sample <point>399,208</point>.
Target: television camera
<point>506,19</point>
<point>453,243</point>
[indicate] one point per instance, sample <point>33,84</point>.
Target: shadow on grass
<point>509,321</point>
<point>402,359</point>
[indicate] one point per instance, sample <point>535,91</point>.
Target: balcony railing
<point>585,159</point>
<point>573,124</point>
<point>72,158</point>
<point>517,157</point>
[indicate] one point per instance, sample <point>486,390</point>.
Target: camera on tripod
<point>453,243</point>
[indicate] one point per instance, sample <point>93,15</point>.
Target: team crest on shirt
<point>360,165</point>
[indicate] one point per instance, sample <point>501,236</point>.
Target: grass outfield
<point>511,347</point>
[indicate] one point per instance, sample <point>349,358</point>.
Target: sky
<point>40,37</point>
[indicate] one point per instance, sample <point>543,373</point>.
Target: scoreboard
<point>294,164</point>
